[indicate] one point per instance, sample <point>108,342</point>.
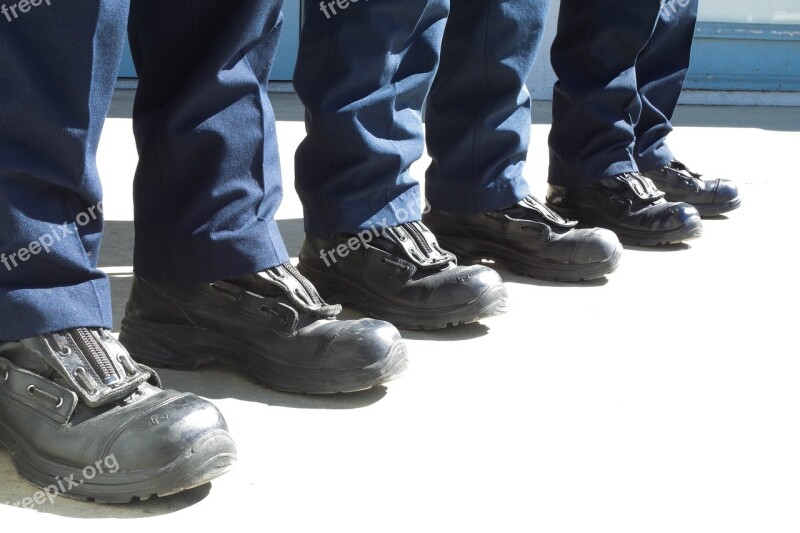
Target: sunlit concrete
<point>663,399</point>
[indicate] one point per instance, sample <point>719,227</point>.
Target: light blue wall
<point>126,69</point>
<point>726,56</point>
<point>287,48</point>
<point>286,56</point>
<point>745,57</point>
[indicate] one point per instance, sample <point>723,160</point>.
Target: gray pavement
<point>664,398</point>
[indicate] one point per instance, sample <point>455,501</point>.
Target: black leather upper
<point>529,230</point>
<point>625,202</point>
<point>276,314</point>
<point>400,271</point>
<point>55,406</point>
<point>682,185</point>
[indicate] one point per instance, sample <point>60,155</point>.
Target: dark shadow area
<point>542,112</point>
<point>117,248</point>
<point>677,247</point>
<point>218,382</point>
<point>122,104</point>
<point>764,118</point>
<point>293,232</point>
<point>511,277</point>
<point>717,217</point>
<point>460,333</point>
<point>118,241</point>
<point>14,490</point>
<point>117,254</point>
<point>287,107</point>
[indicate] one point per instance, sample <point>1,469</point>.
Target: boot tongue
<point>684,171</point>
<point>285,282</point>
<point>640,186</point>
<point>530,208</point>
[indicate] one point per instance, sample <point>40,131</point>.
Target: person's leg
<point>661,72</point>
<point>213,281</point>
<point>596,105</point>
<point>478,124</point>
<point>595,101</point>
<point>363,74</point>
<point>71,399</point>
<point>478,115</point>
<point>208,182</point>
<point>51,114</point>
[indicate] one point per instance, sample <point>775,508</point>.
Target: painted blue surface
<point>126,68</point>
<point>286,57</point>
<point>287,48</point>
<point>726,57</point>
<point>745,57</point>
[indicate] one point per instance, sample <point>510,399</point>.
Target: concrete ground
<point>665,398</point>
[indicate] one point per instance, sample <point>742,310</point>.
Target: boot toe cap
<point>597,245</point>
<point>727,191</point>
<point>362,344</point>
<point>177,426</point>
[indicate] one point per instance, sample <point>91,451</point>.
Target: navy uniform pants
<point>365,71</point>
<point>208,181</point>
<point>621,68</point>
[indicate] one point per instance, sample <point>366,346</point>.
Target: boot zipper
<point>96,356</point>
<point>418,237</point>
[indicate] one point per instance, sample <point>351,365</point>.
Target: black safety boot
<point>630,206</point>
<point>82,419</point>
<point>710,197</point>
<point>273,325</point>
<point>402,275</point>
<point>529,239</point>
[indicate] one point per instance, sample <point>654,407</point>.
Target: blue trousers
<point>364,73</point>
<point>208,181</point>
<point>621,68</point>
<point>661,71</point>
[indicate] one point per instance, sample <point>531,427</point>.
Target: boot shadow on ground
<point>14,490</point>
<point>677,247</point>
<point>220,382</point>
<point>510,277</point>
<point>217,381</point>
<point>459,333</point>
